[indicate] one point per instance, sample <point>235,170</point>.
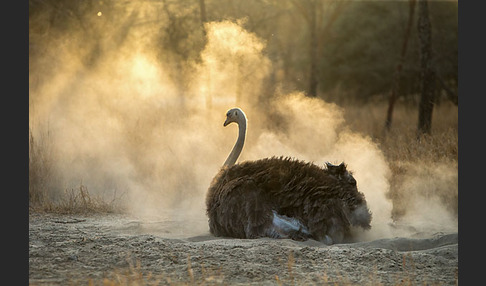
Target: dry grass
<point>429,160</point>
<point>134,275</point>
<point>72,201</point>
<point>79,201</point>
<point>400,143</point>
<point>40,167</point>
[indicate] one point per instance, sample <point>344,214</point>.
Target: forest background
<point>366,57</point>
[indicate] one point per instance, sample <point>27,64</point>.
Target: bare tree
<point>427,75</point>
<point>398,70</point>
<point>314,11</point>
<point>202,10</point>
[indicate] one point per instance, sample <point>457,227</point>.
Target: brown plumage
<point>284,198</point>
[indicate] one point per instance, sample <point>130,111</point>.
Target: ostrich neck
<point>235,153</point>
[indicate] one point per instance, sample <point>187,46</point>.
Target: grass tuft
<point>79,201</point>
<point>40,167</point>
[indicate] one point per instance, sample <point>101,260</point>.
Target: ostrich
<point>282,197</point>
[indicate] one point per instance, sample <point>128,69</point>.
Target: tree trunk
<point>208,90</point>
<point>313,72</point>
<point>396,79</point>
<point>312,11</point>
<point>427,76</point>
<point>202,10</point>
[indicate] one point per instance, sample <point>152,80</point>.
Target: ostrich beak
<point>226,122</point>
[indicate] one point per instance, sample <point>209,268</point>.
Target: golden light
<point>99,14</point>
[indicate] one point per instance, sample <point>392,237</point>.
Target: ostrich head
<point>234,115</point>
<point>238,116</point>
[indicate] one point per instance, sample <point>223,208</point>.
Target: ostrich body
<point>281,197</point>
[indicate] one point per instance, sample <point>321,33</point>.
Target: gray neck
<point>235,153</point>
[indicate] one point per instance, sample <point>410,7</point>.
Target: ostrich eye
<point>236,113</point>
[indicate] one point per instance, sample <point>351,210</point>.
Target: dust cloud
<point>136,128</point>
<point>428,201</point>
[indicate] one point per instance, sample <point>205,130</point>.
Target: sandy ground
<point>80,249</point>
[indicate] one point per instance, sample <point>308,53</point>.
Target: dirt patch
<point>77,249</point>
